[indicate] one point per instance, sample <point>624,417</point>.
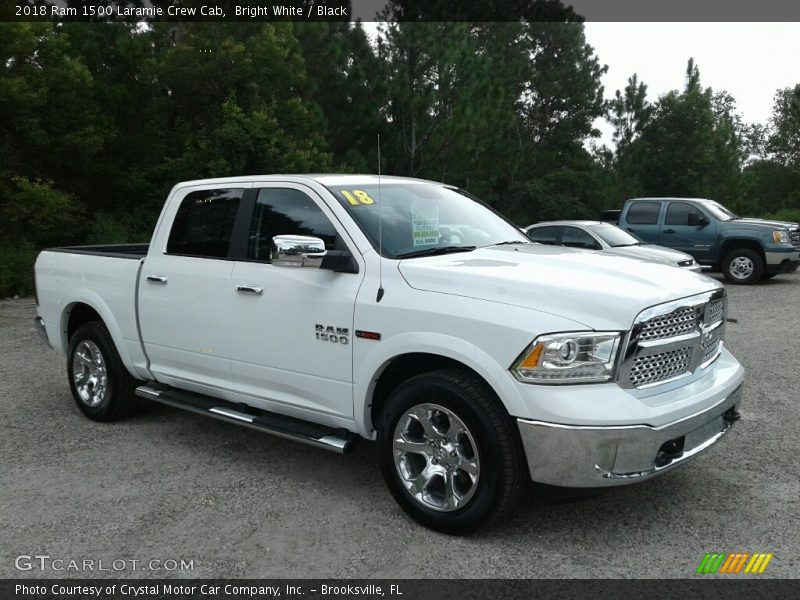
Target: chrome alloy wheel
<point>89,373</point>
<point>436,457</point>
<point>741,267</point>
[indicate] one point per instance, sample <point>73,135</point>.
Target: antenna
<point>380,228</point>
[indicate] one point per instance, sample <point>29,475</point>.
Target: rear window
<point>544,235</point>
<point>643,213</point>
<point>204,222</point>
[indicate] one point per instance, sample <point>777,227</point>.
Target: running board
<point>340,441</point>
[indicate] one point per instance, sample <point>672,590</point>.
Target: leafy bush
<point>40,214</point>
<point>112,229</point>
<point>16,269</point>
<point>787,214</point>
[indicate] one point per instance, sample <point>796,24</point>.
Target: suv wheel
<point>450,454</point>
<point>101,385</point>
<point>743,266</point>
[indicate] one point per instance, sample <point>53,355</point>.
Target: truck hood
<point>600,291</point>
<point>748,222</point>
<point>651,253</point>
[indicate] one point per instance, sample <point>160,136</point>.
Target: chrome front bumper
<point>584,456</point>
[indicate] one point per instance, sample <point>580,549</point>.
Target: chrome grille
<point>678,322</point>
<point>655,368</point>
<point>715,311</point>
<point>794,234</point>
<point>711,343</point>
<point>674,339</point>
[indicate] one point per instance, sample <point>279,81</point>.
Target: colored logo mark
<point>737,562</point>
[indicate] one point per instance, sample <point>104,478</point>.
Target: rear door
<point>693,239</point>
<point>642,219</point>
<point>293,326</point>
<point>185,294</point>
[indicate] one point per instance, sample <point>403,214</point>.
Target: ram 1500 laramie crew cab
<point>330,308</point>
<point>745,250</point>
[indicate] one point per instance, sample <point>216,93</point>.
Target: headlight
<point>781,237</point>
<point>579,357</point>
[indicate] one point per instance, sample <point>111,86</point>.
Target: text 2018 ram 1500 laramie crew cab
<point>330,308</point>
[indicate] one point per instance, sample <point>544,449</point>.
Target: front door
<point>678,234</point>
<point>293,326</point>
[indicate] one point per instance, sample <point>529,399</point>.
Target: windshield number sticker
<point>357,197</point>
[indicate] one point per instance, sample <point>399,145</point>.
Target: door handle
<point>669,231</point>
<point>157,279</point>
<point>249,289</point>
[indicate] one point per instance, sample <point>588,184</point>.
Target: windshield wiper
<point>626,245</point>
<point>436,251</point>
<point>509,242</point>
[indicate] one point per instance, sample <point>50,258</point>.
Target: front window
<point>614,236</point>
<point>286,211</point>
<point>572,237</point>
<point>417,218</point>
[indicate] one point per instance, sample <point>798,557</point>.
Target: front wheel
<point>743,266</point>
<point>101,385</point>
<point>450,453</point>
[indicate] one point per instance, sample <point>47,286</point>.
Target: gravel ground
<point>172,485</point>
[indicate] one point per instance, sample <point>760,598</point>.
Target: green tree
<point>629,112</point>
<point>784,142</point>
<point>690,146</point>
<point>347,81</point>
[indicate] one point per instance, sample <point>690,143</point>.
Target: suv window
<point>678,213</point>
<point>643,213</point>
<point>578,238</point>
<point>286,211</point>
<point>204,222</point>
<point>544,235</point>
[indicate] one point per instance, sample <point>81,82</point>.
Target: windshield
<point>719,211</point>
<point>614,236</point>
<point>418,219</point>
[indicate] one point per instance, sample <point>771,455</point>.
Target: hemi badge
<point>369,335</point>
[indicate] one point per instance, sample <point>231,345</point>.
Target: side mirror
<point>306,251</point>
<point>297,251</point>
<point>696,219</point>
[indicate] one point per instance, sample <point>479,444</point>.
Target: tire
<point>469,440</point>
<point>743,266</point>
<point>107,393</point>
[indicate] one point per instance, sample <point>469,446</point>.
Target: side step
<point>340,441</point>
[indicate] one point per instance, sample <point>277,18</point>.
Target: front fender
<point>371,365</point>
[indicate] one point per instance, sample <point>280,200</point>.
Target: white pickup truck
<point>330,308</point>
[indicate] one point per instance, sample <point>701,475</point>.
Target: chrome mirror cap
<point>297,251</point>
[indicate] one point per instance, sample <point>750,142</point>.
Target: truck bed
<point>103,277</point>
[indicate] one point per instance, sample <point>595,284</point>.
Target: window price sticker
<point>425,226</point>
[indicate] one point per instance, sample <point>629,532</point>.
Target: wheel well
<point>730,245</point>
<point>78,315</point>
<point>404,367</point>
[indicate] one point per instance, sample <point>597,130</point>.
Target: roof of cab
<point>326,179</point>
<point>568,222</point>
